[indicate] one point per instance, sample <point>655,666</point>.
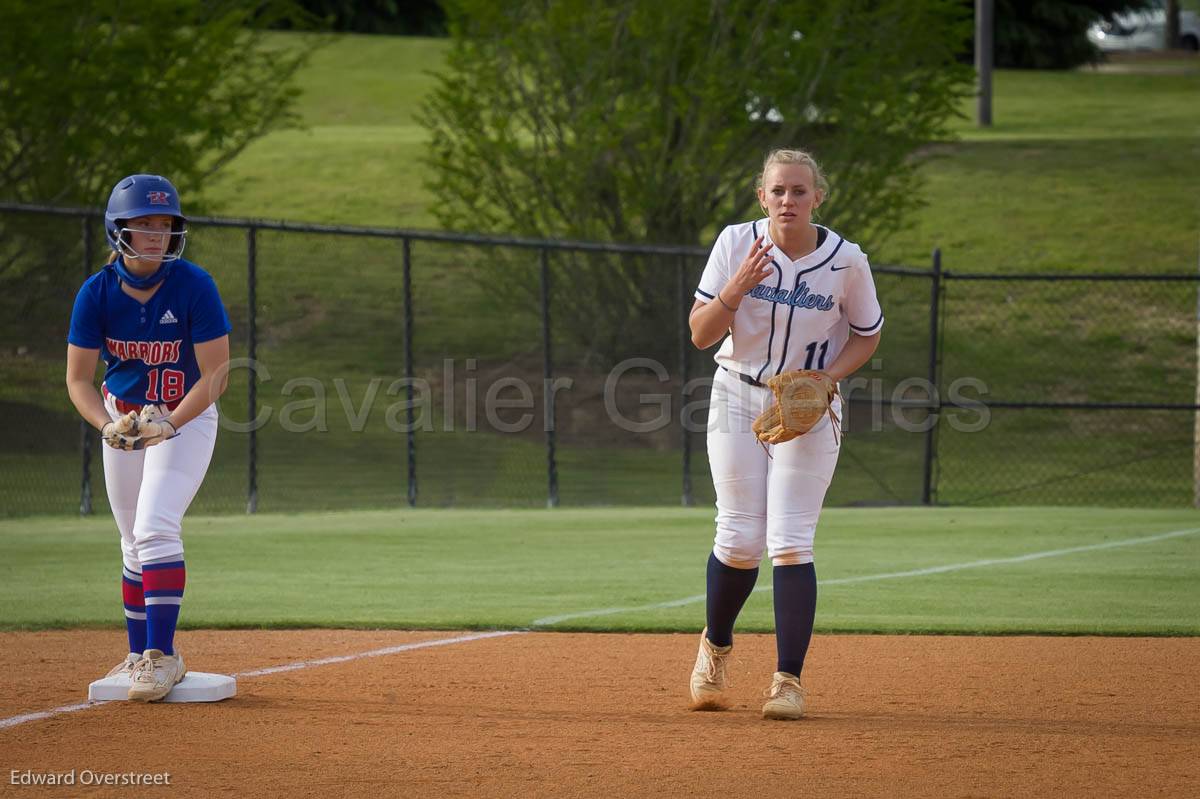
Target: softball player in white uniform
<point>784,294</point>
<point>163,332</point>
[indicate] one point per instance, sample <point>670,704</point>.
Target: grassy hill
<point>1091,170</point>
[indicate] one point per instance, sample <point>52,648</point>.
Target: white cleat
<point>708,675</point>
<point>785,698</point>
<point>155,674</point>
<point>125,667</point>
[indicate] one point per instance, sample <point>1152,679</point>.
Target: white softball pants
<point>763,502</point>
<point>150,490</point>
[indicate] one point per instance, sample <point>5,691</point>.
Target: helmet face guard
<point>144,195</point>
<point>176,240</point>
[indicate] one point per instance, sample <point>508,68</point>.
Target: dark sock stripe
<point>728,590</point>
<point>795,609</point>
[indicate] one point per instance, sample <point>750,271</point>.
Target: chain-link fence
<point>1091,388</point>
<point>378,368</point>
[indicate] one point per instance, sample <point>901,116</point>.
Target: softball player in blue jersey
<point>159,324</point>
<point>783,294</point>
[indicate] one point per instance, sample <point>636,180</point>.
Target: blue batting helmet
<point>144,195</point>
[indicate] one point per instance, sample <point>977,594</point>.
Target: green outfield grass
<point>509,569</point>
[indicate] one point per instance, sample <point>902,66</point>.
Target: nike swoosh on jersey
<point>839,268</point>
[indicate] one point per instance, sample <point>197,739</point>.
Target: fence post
<point>1196,418</point>
<point>929,492</point>
<point>547,383</point>
<point>687,499</point>
<point>408,374</point>
<point>85,433</point>
<point>252,353</point>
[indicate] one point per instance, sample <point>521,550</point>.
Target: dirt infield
<point>562,715</point>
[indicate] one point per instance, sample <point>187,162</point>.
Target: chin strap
<point>150,281</point>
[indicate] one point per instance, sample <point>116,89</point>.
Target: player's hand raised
<point>753,270</point>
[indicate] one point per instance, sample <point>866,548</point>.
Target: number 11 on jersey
<point>811,349</point>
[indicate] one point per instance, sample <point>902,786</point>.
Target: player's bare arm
<point>212,357</point>
<point>81,385</point>
<point>710,321</point>
<point>858,351</point>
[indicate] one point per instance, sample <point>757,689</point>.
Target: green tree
<point>643,121</point>
<point>96,90</point>
<point>410,18</point>
<point>1051,34</point>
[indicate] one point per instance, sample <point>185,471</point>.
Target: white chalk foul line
<point>864,578</point>
<point>374,653</point>
<point>13,721</point>
<point>546,621</point>
<point>977,564</point>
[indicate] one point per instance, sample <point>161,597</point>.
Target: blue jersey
<point>149,350</point>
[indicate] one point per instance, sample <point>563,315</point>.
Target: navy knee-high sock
<point>728,589</point>
<point>795,607</point>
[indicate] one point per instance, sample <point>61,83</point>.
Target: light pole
<point>984,36</point>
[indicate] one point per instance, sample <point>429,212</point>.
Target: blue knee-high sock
<point>728,589</point>
<point>162,584</point>
<point>135,609</point>
<point>795,608</point>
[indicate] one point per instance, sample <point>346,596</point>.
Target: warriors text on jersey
<point>148,350</point>
<point>800,317</point>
